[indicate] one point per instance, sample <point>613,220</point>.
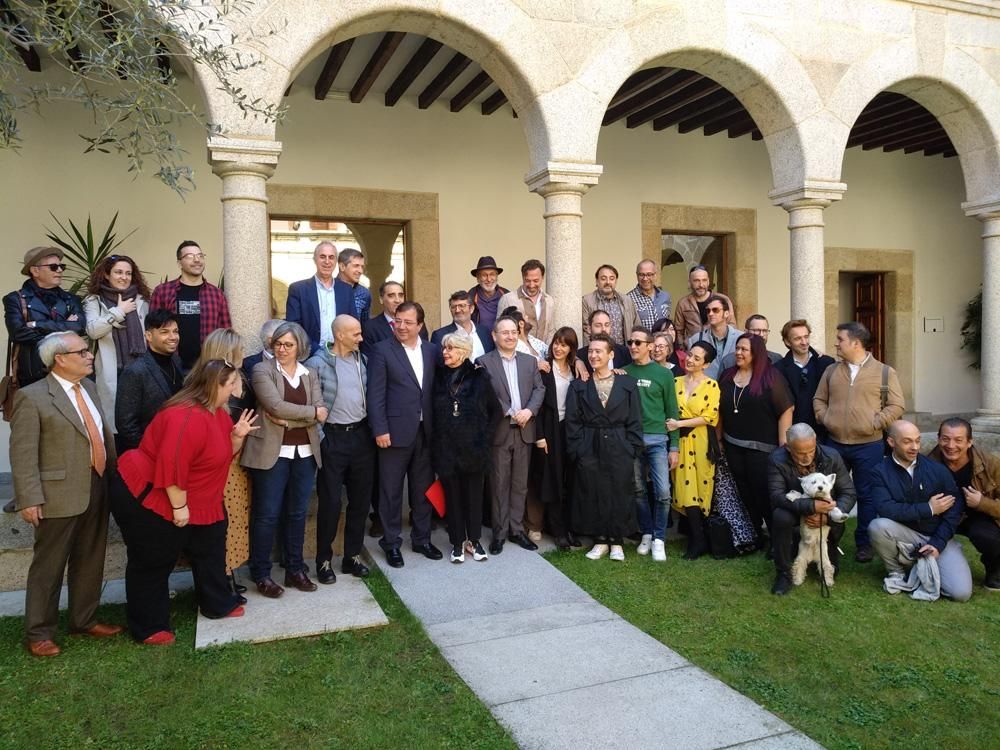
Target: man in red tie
<point>61,451</point>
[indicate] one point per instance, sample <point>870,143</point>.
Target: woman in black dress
<point>464,410</point>
<point>603,438</point>
<point>557,477</point>
<point>756,410</point>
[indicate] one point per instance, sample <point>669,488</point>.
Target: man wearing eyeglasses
<point>718,333</point>
<point>803,367</point>
<point>755,325</point>
<point>61,451</point>
<point>460,304</point>
<point>38,308</point>
<point>200,306</point>
<point>651,302</point>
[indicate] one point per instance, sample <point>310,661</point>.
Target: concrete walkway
<point>559,670</point>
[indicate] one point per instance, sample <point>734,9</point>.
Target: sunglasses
<point>636,342</point>
<point>53,266</point>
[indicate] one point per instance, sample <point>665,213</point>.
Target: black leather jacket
<point>783,476</point>
<point>46,320</point>
<point>142,389</point>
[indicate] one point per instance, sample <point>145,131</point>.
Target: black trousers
<point>348,459</point>
<point>153,545</point>
<point>412,463</point>
<point>749,469</point>
<point>984,534</point>
<point>464,509</point>
<point>784,539</point>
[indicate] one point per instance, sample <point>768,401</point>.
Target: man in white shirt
<point>537,306</point>
<point>313,303</point>
<point>460,305</point>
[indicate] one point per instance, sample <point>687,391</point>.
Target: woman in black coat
<point>464,410</point>
<point>550,429</point>
<point>603,438</point>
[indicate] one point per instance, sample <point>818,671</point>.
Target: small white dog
<point>812,541</point>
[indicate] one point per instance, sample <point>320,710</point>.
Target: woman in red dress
<point>169,496</point>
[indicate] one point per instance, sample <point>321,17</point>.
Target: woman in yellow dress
<point>694,477</point>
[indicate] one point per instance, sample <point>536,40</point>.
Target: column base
<point>986,422</point>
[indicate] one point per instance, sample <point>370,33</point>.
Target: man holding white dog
<point>798,458</point>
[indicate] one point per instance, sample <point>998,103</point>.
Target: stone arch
<point>952,86</point>
<point>497,35</point>
<point>754,66</point>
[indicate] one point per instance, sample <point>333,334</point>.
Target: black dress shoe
<point>573,541</point>
<point>354,567</point>
<point>522,541</point>
<point>394,557</point>
<point>324,572</point>
<point>563,544</point>
<point>496,546</point>
<point>428,550</point>
<point>864,554</point>
<point>269,588</point>
<point>782,585</point>
<point>300,581</point>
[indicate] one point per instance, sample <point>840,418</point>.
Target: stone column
<point>805,206</point>
<point>562,185</point>
<point>989,413</point>
<point>245,166</point>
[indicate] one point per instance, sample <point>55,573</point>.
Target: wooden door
<point>869,309</point>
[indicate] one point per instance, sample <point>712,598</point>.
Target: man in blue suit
<point>313,303</point>
<point>461,318</point>
<point>379,328</point>
<point>400,386</point>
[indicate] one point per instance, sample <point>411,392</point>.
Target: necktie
<point>98,456</point>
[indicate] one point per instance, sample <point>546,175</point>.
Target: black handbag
<point>720,537</point>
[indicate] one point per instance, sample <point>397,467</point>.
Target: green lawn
<point>858,671</point>
<point>383,688</point>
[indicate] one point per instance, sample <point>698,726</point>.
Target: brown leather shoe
<point>43,648</point>
<point>269,588</point>
<point>100,630</point>
<point>299,581</point>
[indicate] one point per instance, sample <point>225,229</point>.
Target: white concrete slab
<point>12,602</point>
<point>506,624</point>
<point>344,605</point>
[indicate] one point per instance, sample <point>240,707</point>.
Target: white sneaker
<point>535,536</point>
<point>617,553</point>
<point>659,551</point>
<point>458,554</point>
<point>643,548</point>
<point>598,551</point>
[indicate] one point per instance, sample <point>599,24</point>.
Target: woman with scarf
<point>115,311</point>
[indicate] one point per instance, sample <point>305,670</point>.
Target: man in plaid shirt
<point>200,307</point>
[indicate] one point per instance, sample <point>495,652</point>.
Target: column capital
<point>983,210</point>
<point>810,194</point>
<point>243,156</point>
<point>564,177</point>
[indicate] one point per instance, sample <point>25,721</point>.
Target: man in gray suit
<point>518,386</point>
<point>61,451</point>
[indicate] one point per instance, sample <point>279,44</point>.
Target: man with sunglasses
<point>38,308</point>
<point>200,307</point>
<point>803,367</point>
<point>718,333</point>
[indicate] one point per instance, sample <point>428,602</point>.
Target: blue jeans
<point>655,458</point>
<point>861,460</point>
<point>280,492</point>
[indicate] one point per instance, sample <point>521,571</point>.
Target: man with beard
<point>691,313</point>
<point>605,297</point>
<point>485,295</point>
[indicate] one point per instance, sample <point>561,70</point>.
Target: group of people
<point>198,450</point>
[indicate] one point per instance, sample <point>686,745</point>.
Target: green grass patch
<point>860,670</point>
<point>387,687</point>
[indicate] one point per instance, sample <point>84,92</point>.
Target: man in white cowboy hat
<point>486,294</point>
<point>38,308</point>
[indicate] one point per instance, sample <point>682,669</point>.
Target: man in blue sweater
<point>918,502</point>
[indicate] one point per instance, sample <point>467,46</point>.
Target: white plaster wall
<point>477,164</point>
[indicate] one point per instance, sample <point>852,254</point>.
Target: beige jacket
<point>687,318</point>
<point>630,315</point>
<point>852,413</point>
<point>542,327</point>
<point>261,448</point>
<point>985,478</point>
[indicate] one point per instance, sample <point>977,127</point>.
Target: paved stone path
<point>559,670</point>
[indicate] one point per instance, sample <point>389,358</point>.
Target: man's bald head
<point>901,428</point>
<point>904,438</point>
<point>346,333</point>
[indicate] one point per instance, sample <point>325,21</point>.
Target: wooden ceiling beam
<point>742,129</point>
<point>380,58</point>
<point>891,128</point>
<point>690,95</point>
<point>697,107</point>
<point>479,83</point>
<point>864,124</point>
<point>727,108</point>
<point>334,62</point>
<point>756,135</point>
<point>724,123</point>
<point>639,81</point>
<point>493,102</point>
<point>443,80</point>
<point>943,143</point>
<point>685,95</point>
<point>883,101</point>
<point>677,80</point>
<point>941,147</point>
<point>931,135</point>
<point>413,68</point>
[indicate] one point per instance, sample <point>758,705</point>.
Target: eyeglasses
<point>194,256</point>
<point>80,352</point>
<point>646,275</point>
<point>659,346</point>
<point>283,345</point>
<point>636,342</point>
<point>52,266</point>
<point>759,331</point>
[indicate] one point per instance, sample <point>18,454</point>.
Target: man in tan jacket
<point>691,315</point>
<point>856,401</point>
<point>530,298</point>
<point>61,451</point>
<point>605,297</point>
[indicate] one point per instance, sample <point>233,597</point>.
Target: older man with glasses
<point>38,308</point>
<point>651,302</point>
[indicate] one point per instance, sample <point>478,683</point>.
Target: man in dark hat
<point>487,293</point>
<point>38,308</point>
